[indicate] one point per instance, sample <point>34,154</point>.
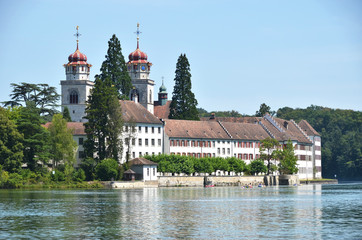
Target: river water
<point>303,212</point>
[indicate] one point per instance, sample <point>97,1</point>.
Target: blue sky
<point>242,53</point>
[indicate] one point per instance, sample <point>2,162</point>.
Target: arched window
<point>73,97</point>
<point>150,96</point>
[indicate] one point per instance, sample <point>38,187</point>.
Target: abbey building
<point>156,134</point>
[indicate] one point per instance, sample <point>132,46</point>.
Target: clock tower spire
<point>139,70</point>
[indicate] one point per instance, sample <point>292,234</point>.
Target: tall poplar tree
<point>183,104</point>
<point>104,126</point>
<point>63,146</point>
<point>114,68</point>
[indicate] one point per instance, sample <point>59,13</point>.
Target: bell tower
<point>139,71</point>
<point>76,88</point>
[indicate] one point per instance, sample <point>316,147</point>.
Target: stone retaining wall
<point>235,180</point>
<point>180,181</point>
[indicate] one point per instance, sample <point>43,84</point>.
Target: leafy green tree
<point>263,110</point>
<point>105,123</point>
<point>107,169</point>
<point>183,104</point>
<point>267,153</point>
<point>36,137</point>
<point>66,114</point>
<point>44,97</point>
<point>114,68</point>
<point>63,147</point>
<point>287,159</point>
<point>257,166</point>
<point>11,147</point>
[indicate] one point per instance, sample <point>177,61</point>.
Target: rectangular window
<point>187,143</point>
<point>146,142</point>
<point>251,156</point>
<point>193,144</point>
<point>140,154</point>
<point>153,129</point>
<point>153,142</point>
<point>133,141</point>
<point>126,140</point>
<point>251,144</point>
<point>213,154</point>
<point>139,129</point>
<point>159,142</point>
<point>177,143</point>
<point>146,129</point>
<point>218,150</point>
<point>159,129</point>
<point>182,143</point>
<point>133,154</point>
<point>154,171</point>
<point>245,156</point>
<point>239,156</point>
<point>126,127</point>
<point>223,151</point>
<point>148,172</point>
<point>213,143</point>
<point>80,141</point>
<point>140,142</point>
<point>171,143</point>
<point>198,155</point>
<point>228,150</point>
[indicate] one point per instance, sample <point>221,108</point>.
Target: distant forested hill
<point>341,132</point>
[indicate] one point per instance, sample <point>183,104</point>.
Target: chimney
<point>212,117</point>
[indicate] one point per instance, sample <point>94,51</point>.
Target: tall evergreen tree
<point>104,124</point>
<point>183,104</point>
<point>36,138</point>
<point>114,68</point>
<point>66,114</point>
<point>63,146</point>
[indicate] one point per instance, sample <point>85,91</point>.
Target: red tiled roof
<point>291,132</point>
<point>135,112</point>
<point>141,161</point>
<point>194,129</point>
<point>78,127</point>
<point>162,112</point>
<point>232,119</point>
<point>245,131</point>
<point>307,128</point>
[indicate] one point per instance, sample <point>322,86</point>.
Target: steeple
<point>162,94</point>
<point>76,87</point>
<point>139,70</point>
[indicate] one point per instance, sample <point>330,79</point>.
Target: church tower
<point>162,95</point>
<point>76,88</point>
<point>139,71</point>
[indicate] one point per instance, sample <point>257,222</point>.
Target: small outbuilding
<point>144,169</point>
<point>129,175</point>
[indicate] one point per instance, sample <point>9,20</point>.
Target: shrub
<point>79,175</point>
<point>88,165</point>
<point>107,169</point>
<point>58,176</point>
<point>258,166</point>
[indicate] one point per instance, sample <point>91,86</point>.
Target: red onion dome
<point>77,58</point>
<point>138,56</point>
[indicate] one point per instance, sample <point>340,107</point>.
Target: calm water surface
<point>303,212</point>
